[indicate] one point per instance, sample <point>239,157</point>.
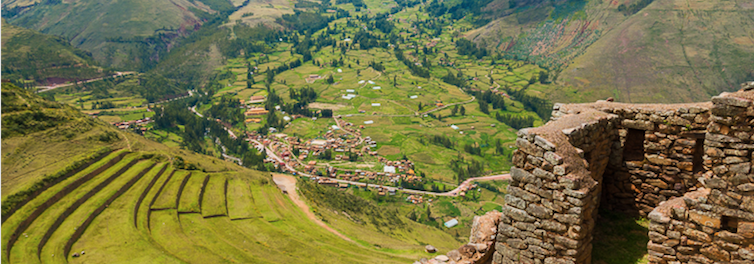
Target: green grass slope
<point>43,59</point>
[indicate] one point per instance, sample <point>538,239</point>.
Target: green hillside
<point>38,59</point>
<point>73,184</point>
<point>671,51</point>
<point>635,51</point>
<point>127,34</point>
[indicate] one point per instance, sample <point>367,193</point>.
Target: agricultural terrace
<point>138,207</point>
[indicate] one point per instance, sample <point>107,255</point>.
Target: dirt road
<point>290,185</point>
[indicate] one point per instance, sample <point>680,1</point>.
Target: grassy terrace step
<point>263,203</point>
<point>191,195</point>
<point>81,228</point>
<point>112,238</point>
<point>152,197</point>
<point>204,231</point>
<point>42,186</point>
<point>47,216</point>
<point>53,250</point>
<point>168,196</point>
<point>167,232</point>
<point>31,209</point>
<point>240,201</point>
<point>154,176</point>
<point>213,201</point>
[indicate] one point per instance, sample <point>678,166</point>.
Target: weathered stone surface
<point>715,253</point>
<point>553,158</point>
<point>522,175</point>
<point>553,226</point>
<point>543,174</point>
<point>747,187</point>
<point>516,243</point>
<point>517,214</point>
<point>569,183</point>
<point>529,148</point>
<point>730,237</point>
<point>746,229</point>
<point>716,183</point>
<point>660,248</point>
<point>530,197</point>
<point>721,138</point>
<point>544,143</point>
<point>741,168</point>
<point>657,237</point>
<point>659,217</point>
<point>746,254</point>
<point>560,170</point>
<point>704,218</point>
<point>637,124</point>
<point>697,235</point>
<point>568,218</point>
<point>733,101</point>
<point>567,242</point>
<point>514,201</point>
<point>539,211</point>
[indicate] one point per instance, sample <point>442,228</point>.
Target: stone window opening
<point>729,224</point>
<point>698,160</point>
<point>633,148</point>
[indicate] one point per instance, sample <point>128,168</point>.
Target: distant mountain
<point>44,59</point>
<point>635,50</point>
<point>125,33</point>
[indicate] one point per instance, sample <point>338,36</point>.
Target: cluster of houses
<point>137,125</point>
<point>252,111</point>
<point>415,199</point>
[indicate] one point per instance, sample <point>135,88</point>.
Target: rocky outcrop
<point>481,244</point>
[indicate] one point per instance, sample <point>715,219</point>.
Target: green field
<point>167,198</point>
<point>240,201</point>
<point>213,201</point>
<point>191,195</point>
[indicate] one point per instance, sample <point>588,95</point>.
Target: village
<point>338,157</point>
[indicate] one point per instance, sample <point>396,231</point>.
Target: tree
<point>483,107</point>
<point>463,111</point>
<point>454,110</point>
<point>543,76</point>
<point>330,79</point>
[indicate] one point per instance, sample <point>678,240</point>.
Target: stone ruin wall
<point>640,159</point>
<point>714,224</point>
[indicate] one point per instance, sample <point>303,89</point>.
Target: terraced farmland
<point>137,207</point>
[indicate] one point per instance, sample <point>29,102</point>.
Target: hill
<point>635,51</point>
<point>77,190</point>
<point>128,34</point>
<point>43,59</point>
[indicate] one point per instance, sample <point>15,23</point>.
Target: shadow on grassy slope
<point>620,239</point>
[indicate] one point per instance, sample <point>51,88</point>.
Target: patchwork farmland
<point>137,207</point>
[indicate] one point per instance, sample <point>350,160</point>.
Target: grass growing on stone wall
<point>620,239</point>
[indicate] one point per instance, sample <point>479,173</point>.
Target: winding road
<point>290,185</point>
<point>43,89</point>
